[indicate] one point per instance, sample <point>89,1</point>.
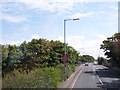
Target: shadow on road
<point>88,72</point>
<point>106,73</point>
<point>109,79</point>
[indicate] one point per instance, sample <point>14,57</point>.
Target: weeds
<point>48,77</point>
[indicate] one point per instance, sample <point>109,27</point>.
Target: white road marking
<point>99,77</point>
<point>77,77</point>
<point>94,72</point>
<point>99,80</point>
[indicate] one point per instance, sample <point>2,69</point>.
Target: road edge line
<point>99,79</point>
<point>77,77</point>
<point>98,76</point>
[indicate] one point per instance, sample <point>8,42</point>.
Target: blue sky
<point>26,19</point>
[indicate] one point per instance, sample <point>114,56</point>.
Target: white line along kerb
<point>77,77</point>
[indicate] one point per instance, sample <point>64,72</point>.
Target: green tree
<point>37,53</point>
<point>10,58</point>
<point>111,48</point>
<point>103,61</point>
<point>87,58</point>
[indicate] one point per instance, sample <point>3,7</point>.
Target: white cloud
<point>13,19</point>
<point>79,15</point>
<point>88,14</point>
<point>60,6</point>
<point>114,7</point>
<point>53,5</point>
<point>115,15</point>
<point>101,36</point>
<point>74,41</point>
<point>25,28</point>
<point>111,20</point>
<point>12,42</point>
<point>15,42</point>
<point>47,5</point>
<point>90,47</point>
<point>63,0</point>
<point>35,36</point>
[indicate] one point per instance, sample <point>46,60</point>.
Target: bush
<point>39,78</point>
<point>70,69</point>
<point>48,77</point>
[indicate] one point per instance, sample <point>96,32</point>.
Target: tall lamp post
<point>65,55</point>
<point>65,32</point>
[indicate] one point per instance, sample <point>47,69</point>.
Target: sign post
<point>64,60</point>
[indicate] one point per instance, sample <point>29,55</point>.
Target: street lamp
<point>65,43</point>
<point>65,32</point>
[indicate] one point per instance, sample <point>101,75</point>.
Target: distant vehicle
<point>86,64</point>
<point>95,62</point>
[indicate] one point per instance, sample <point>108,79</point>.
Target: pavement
<point>69,83</point>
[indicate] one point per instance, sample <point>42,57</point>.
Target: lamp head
<point>76,19</point>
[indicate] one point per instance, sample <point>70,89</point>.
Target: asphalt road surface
<point>97,76</point>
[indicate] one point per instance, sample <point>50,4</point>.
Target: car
<point>86,64</point>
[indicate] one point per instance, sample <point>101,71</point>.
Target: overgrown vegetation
<point>36,64</point>
<point>48,77</point>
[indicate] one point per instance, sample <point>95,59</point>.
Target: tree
<point>103,61</point>
<point>87,58</point>
<point>10,58</point>
<point>111,48</point>
<point>36,53</point>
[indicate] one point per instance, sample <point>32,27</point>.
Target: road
<point>97,76</point>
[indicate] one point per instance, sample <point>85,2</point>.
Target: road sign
<point>64,58</point>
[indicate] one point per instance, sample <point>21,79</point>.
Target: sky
<point>23,20</point>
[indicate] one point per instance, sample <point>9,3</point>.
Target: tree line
<point>34,54</point>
